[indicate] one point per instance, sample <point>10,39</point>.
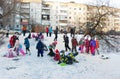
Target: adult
<point>56,33</point>
<point>7,29</point>
<point>71,31</point>
<point>50,31</point>
<point>47,30</point>
<point>24,30</point>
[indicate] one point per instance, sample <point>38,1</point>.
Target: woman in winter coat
<point>92,46</point>
<point>40,47</point>
<point>57,55</point>
<point>50,31</point>
<point>47,30</point>
<point>74,44</point>
<point>27,45</point>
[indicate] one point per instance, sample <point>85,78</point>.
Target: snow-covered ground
<point>33,67</point>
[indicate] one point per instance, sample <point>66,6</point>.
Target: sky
<point>113,3</point>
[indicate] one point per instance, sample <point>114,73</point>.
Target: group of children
<point>86,44</point>
<point>15,47</point>
<point>60,56</point>
<point>89,45</point>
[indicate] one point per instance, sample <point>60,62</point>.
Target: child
<point>27,45</point>
<point>10,53</point>
<point>13,40</point>
<point>17,47</point>
<point>51,53</point>
<point>87,45</point>
<point>54,44</point>
<point>66,40</point>
<point>81,43</point>
<point>57,55</point>
<point>70,58</point>
<point>97,45</point>
<point>92,46</point>
<point>74,44</point>
<point>40,47</point>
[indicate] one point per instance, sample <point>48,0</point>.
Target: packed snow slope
<point>33,67</point>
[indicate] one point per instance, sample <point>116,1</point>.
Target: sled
<point>104,57</point>
<point>22,52</point>
<point>62,64</point>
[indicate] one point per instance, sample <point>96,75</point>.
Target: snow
<point>33,67</point>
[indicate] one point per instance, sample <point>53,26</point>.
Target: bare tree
<point>8,6</point>
<point>98,18</point>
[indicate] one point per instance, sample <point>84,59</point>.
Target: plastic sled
<point>22,52</point>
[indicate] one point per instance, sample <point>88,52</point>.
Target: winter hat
<point>57,51</point>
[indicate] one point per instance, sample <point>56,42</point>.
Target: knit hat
<point>57,51</point>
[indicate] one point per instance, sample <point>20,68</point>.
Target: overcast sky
<point>114,3</point>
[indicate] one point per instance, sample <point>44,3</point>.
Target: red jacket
<point>87,43</point>
<point>57,55</point>
<point>74,42</point>
<point>47,29</point>
<point>12,41</point>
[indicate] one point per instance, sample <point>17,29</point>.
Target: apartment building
<point>45,14</point>
<point>62,14</point>
<point>1,12</point>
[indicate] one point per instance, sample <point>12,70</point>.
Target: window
<point>45,17</point>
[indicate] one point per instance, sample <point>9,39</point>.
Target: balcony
<point>45,6</point>
<point>63,24</point>
<point>62,17</point>
<point>44,11</point>
<point>45,22</point>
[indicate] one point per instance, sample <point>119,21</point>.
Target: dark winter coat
<point>40,45</point>
<point>26,42</point>
<point>66,39</point>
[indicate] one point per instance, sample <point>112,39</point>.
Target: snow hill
<point>33,67</point>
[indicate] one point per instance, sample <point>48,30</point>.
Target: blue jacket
<point>50,30</point>
<point>40,45</point>
<point>26,42</point>
<point>92,43</point>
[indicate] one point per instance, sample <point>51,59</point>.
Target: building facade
<point>61,14</point>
